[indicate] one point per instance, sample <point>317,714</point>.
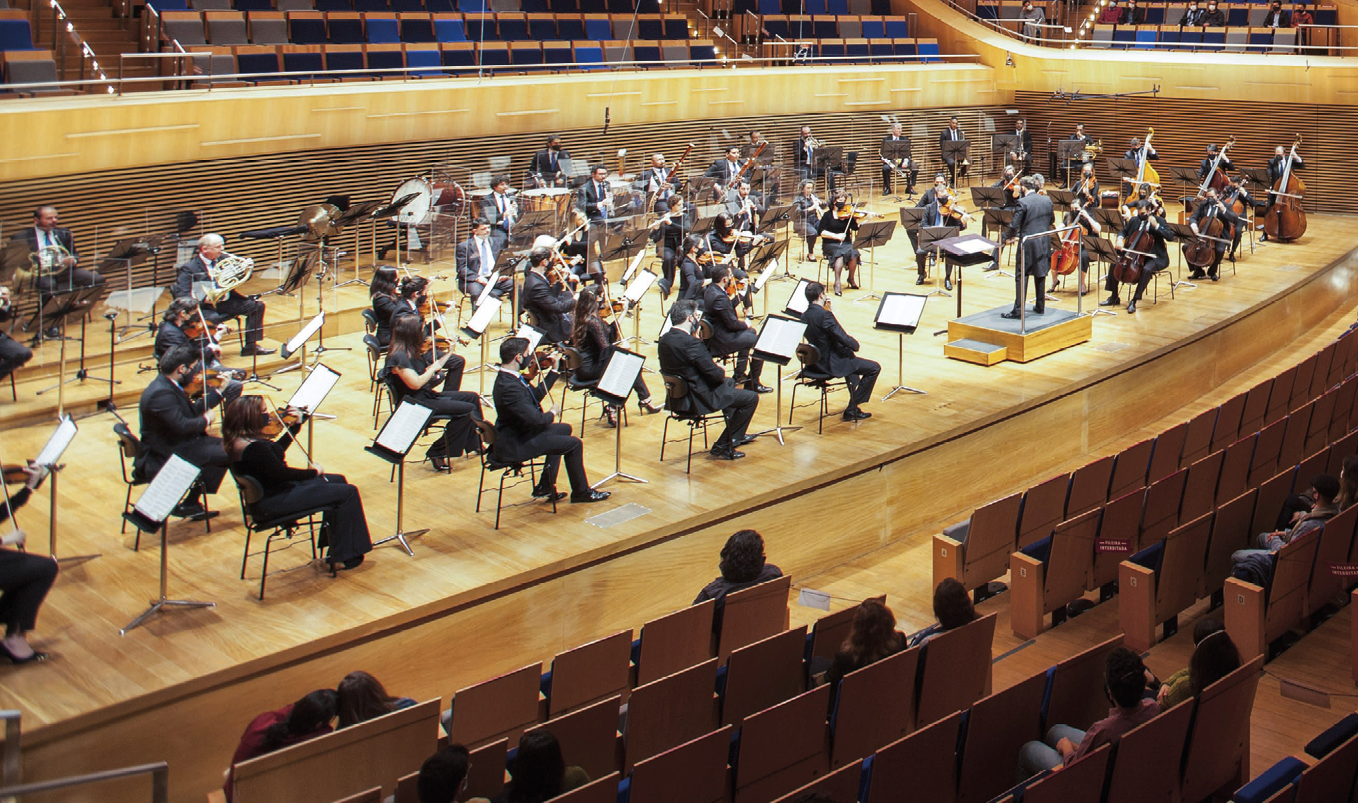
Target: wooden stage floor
<point>96,674</point>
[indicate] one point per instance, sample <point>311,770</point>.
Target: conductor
<point>1034,215</point>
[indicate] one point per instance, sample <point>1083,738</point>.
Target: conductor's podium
<point>985,338</point>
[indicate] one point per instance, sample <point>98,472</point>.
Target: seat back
<point>1294,436</point>
<point>829,631</point>
<point>763,674</point>
<point>499,708</point>
<point>1076,696</point>
<point>591,672</point>
<point>1200,488</point>
<point>1198,437</point>
<point>990,540</point>
<point>1301,383</point>
<point>1330,778</point>
<point>1146,770</point>
<point>1043,506</point>
<point>1089,486</point>
<point>1336,541</point>
<point>1082,780</point>
<point>675,642</point>
<point>1289,594</point>
<point>129,447</point>
<point>373,795</point>
<point>693,772</point>
<point>1176,587</point>
<point>588,736</point>
<point>1230,531</point>
<point>1165,453</point>
<point>1256,405</point>
<point>1318,430</point>
<point>753,613</point>
<point>874,706</point>
<point>251,491</point>
<point>924,763</point>
<point>1070,560</point>
<point>956,670</point>
<point>1343,409</point>
<point>999,725</point>
<point>604,790</point>
<point>668,712</point>
<point>782,748</point>
<point>1280,398</point>
<point>1235,468</point>
<point>486,773</point>
<point>1130,468</point>
<point>1216,753</point>
<point>1163,501</point>
<point>1227,427</point>
<point>840,784</point>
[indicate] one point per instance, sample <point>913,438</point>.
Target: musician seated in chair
<point>179,316</point>
<point>690,272</point>
<point>174,424</point>
<point>668,237</point>
<point>1145,220</point>
<point>683,355</point>
<point>524,432</point>
<point>53,249</point>
<point>476,258</point>
<point>806,213</point>
<point>211,247</point>
<point>13,354</point>
<point>415,374</point>
<point>550,302</point>
<point>725,170</point>
<point>546,169</point>
<point>837,352</point>
<point>744,207</point>
<point>1211,208</point>
<point>594,339</point>
<point>731,335</point>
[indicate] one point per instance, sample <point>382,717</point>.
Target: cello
<point>1285,219</point>
<point>1135,251</point>
<point>1066,260</point>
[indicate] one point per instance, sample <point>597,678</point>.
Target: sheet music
<point>901,309</point>
<point>974,246</point>
<point>797,301</point>
<point>638,287</point>
<point>763,279</point>
<point>780,336</point>
<point>61,438</point>
<point>485,291</point>
<point>201,289</point>
<point>314,388</point>
<point>666,326</point>
<point>533,336</point>
<point>172,482</point>
<point>404,426</point>
<point>313,326</point>
<point>620,374</point>
<point>632,268</point>
<point>483,315</point>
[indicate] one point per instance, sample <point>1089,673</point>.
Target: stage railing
<point>159,772</point>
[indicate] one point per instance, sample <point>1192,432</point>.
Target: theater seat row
<point>433,6</point>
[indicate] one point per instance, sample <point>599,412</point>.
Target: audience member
<point>952,608</point>
<point>1326,489</point>
<point>1124,680</point>
<point>742,565</point>
<point>305,719</point>
<point>361,697</point>
<point>1214,657</point>
<point>1348,483</point>
<point>443,775</point>
<point>538,772</point>
<point>872,637</point>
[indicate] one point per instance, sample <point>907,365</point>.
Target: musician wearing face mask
<point>53,247</point>
<point>174,424</point>
<point>546,169</point>
<point>1205,167</point>
<point>13,354</point>
<point>550,302</point>
<point>1008,182</point>
<point>668,236</point>
<point>744,207</point>
<point>932,202</point>
<point>500,211</point>
<point>730,335</point>
<point>807,210</point>
<point>1276,167</point>
<point>180,315</point>
<point>1087,187</point>
<point>1233,193</point>
<point>1081,157</point>
<point>684,355</point>
<point>211,250</point>
<point>1211,208</point>
<point>661,183</point>
<point>1089,227</point>
<point>1144,220</point>
<point>690,272</point>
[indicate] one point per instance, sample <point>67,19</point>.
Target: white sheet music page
<point>484,313</point>
<point>975,246</point>
<point>312,327</point>
<point>404,426</point>
<point>640,284</point>
<point>485,291</point>
<point>797,301</point>
<point>314,388</point>
<point>632,268</point>
<point>56,445</point>
<point>768,271</point>
<point>901,309</point>
<point>620,374</point>
<point>533,336</point>
<point>780,336</point>
<point>165,491</point>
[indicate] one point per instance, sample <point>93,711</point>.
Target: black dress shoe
<point>1039,310</point>
<point>352,563</point>
<point>52,334</point>
<point>744,439</point>
<point>256,351</point>
<point>1111,301</point>
<point>186,510</point>
<point>726,454</point>
<point>1213,276</point>
<point>585,497</point>
<point>947,284</point>
<point>1197,274</point>
<point>1131,308</point>
<point>856,415</point>
<point>440,463</point>
<point>758,388</point>
<point>919,280</point>
<point>33,657</point>
<point>548,494</point>
<point>1011,315</point>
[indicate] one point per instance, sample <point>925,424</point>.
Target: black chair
<point>251,491</point>
<point>396,391</point>
<point>704,334</point>
<point>376,359</point>
<point>486,431</point>
<point>369,322</point>
<point>677,388</point>
<point>809,356</point>
<point>129,448</point>
<point>585,387</point>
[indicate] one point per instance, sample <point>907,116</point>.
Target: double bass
<point>1132,261</point>
<point>1216,178</point>
<point>1285,219</point>
<point>1145,175</point>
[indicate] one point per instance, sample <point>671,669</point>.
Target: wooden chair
<point>1131,468</point>
<point>1291,450</point>
<point>1336,544</point>
<point>1052,573</point>
<point>1318,430</point>
<point>408,788</point>
<point>1165,454</point>
<point>1118,535</point>
<point>1256,406</point>
<point>1146,769</point>
<point>1089,486</point>
<point>1043,506</point>
<point>1343,410</point>
<point>1075,693</point>
<point>977,551</point>
<point>829,631</point>
<point>674,642</point>
<point>1267,447</point>
<point>590,673</point>
<point>693,772</point>
<point>499,708</point>
<point>486,775</point>
<point>1216,756</point>
<point>604,790</point>
<point>956,671</point>
<point>841,784</point>
<point>1273,493</point>
<point>1301,384</point>
<point>764,674</point>
<point>1226,430</point>
<point>999,725</point>
<point>1197,438</point>
<point>1082,780</point>
<point>1161,581</point>
<point>782,748</point>
<point>1230,531</point>
<point>752,614</point>
<point>1163,500</point>
<point>1200,487</point>
<point>1255,619</point>
<point>1342,448</point>
<point>669,712</point>
<point>874,706</point>
<point>372,753</point>
<point>922,766</point>
<point>1280,398</point>
<point>589,736</point>
<point>1235,468</point>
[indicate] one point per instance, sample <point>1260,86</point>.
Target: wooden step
<point>974,351</point>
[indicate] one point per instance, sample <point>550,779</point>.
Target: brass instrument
<point>227,273</point>
<point>50,259</point>
<point>622,161</point>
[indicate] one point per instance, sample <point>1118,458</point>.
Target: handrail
<point>159,772</point>
<point>12,772</point>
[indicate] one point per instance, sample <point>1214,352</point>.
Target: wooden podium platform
<point>985,338</point>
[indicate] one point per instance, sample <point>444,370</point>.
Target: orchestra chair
<point>586,674</point>
<point>677,388</point>
<point>1048,575</point>
<point>1255,618</point>
<point>488,463</point>
<point>376,357</point>
<point>976,552</point>
<point>13,390</point>
<point>668,712</point>
<point>396,391</point>
<point>955,670</point>
<point>1042,507</point>
<point>672,643</point>
<point>129,447</point>
<point>998,726</point>
<point>1146,754</point>
<point>1256,405</point>
<point>283,527</point>
<point>874,706</point>
<point>500,708</point>
<point>1230,531</point>
<point>373,795</point>
<point>1075,687</point>
<point>1161,581</point>
<point>486,773</point>
<point>1227,428</point>
<point>782,748</point>
<point>762,675</point>
<point>604,790</point>
<point>693,772</point>
<point>1089,486</point>
<point>840,784</point>
<point>751,614</point>
<point>1197,438</point>
<point>1336,542</point>
<point>372,753</point>
<point>809,377</point>
<point>589,737</point>
<point>925,762</point>
<point>584,387</point>
<point>1082,780</point>
<point>1216,756</point>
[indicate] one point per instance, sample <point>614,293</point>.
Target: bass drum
<point>1109,199</point>
<point>417,211</point>
<point>449,199</point>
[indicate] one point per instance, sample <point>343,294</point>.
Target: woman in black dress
<point>25,580</point>
<point>591,337</point>
<point>836,236</point>
<point>414,377</point>
<point>385,300</point>
<point>292,490</point>
<point>669,238</point>
<point>721,242</point>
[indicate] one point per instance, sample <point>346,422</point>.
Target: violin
<point>952,208</point>
<point>536,363</point>
<point>206,378</point>
<point>1286,219</point>
<point>280,421</point>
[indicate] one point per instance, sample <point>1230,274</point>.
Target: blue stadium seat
<point>832,50</point>
<point>1171,36</point>
<point>590,57</point>
<point>15,35</point>
<point>839,7</point>
<point>813,7</point>
<point>386,59</point>
<point>563,6</point>
<point>407,6</point>
<point>417,28</point>
<point>306,64</point>
<point>882,50</point>
<point>1124,36</point>
<point>493,54</point>
<point>928,51</point>
<point>896,28</point>
<point>526,55</point>
<point>1155,15</point>
<point>258,62</point>
<point>647,53</point>
<point>471,6</point>
<point>440,6</point>
<point>600,30</point>
<point>267,5</point>
<point>825,27</point>
<point>649,27</point>
<point>556,53</point>
<point>767,7</point>
<point>676,27</point>
<point>881,8</point>
<point>701,54</point>
<point>1145,39</point>
<point>906,50</point>
<point>874,29</point>
<point>475,26</point>
<point>1213,39</point>
<point>535,7</point>
<point>857,51</point>
<point>791,7</point>
<point>569,29</point>
<point>1190,37</point>
<point>542,28</point>
<point>1326,16</point>
<point>1261,37</point>
<point>777,27</point>
<point>460,56</point>
<point>169,5</point>
<point>345,28</point>
<point>593,6</point>
<point>1237,16</point>
<point>447,29</point>
<point>344,59</point>
<point>305,30</point>
<point>382,31</point>
<point>425,57</point>
<point>366,6</point>
<point>512,27</point>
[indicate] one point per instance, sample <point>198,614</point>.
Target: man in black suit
<point>211,247</point>
<point>837,352</point>
<point>1276,166</point>
<point>1193,17</point>
<point>661,183</point>
<point>725,169</point>
<point>685,356</point>
<point>550,303</point>
<point>744,207</point>
<point>171,424</point>
<point>1215,17</point>
<point>1079,136</point>
<point>929,202</point>
<point>1034,215</point>
<point>63,275</point>
<point>953,133</point>
<point>1024,154</point>
<point>909,166</point>
<point>13,354</point>
<point>523,431</point>
<point>545,170</point>
<point>595,198</point>
<point>1133,14</point>
<point>1209,209</point>
<point>476,258</point>
<point>730,335</point>
<point>500,211</point>
<point>805,160</point>
<point>171,335</point>
<point>1144,220</point>
<point>1206,165</point>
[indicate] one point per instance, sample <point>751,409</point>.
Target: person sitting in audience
<point>1348,483</point>
<point>1215,17</point>
<point>1111,14</point>
<point>873,637</point>
<point>742,565</point>
<point>361,697</point>
<point>1124,680</point>
<point>1214,657</point>
<point>305,719</point>
<point>952,608</point>
<point>538,771</point>
<point>1326,490</point>
<point>443,775</point>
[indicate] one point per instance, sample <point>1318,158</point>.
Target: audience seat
<point>307,28</point>
<point>1161,581</point>
<point>752,614</point>
<point>461,56</point>
<point>381,28</point>
<point>999,725</point>
<point>448,28</point>
<point>955,671</point>
<point>185,27</point>
<point>584,675</point>
<point>498,708</point>
<point>346,57</point>
<point>32,67</point>
<point>762,675</point>
<point>1256,617</point>
<point>386,60</point>
<point>416,27</point>
<point>873,707</point>
<point>304,60</point>
<point>693,772</point>
<point>588,736</point>
<point>1051,573</point>
<point>226,28</point>
<point>267,28</point>
<point>671,711</point>
<point>976,552</point>
<point>925,763</point>
<point>346,28</point>
<point>781,748</point>
<point>425,55</point>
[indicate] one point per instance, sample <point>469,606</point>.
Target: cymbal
<point>320,222</point>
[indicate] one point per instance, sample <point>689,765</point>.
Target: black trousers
<point>66,281</point>
<point>738,415</point>
<point>1147,275</point>
<point>205,452</point>
<point>1039,291</point>
<point>861,381</point>
<point>236,305</point>
<point>888,174</point>
<point>13,355</point>
<point>459,433</point>
<point>555,442</point>
<point>669,262</point>
<point>744,341</point>
<point>452,378</point>
<point>25,580</point>
<point>345,525</point>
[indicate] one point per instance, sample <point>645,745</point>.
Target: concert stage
<point>988,338</point>
<point>474,601</point>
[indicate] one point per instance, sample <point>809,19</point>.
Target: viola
<point>1286,219</point>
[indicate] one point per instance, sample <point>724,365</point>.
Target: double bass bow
<point>1286,219</point>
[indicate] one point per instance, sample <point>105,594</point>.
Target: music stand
<point>966,251</point>
<point>929,238</point>
<point>897,154</point>
<point>797,303</point>
<point>1067,150</point>
<point>1259,175</point>
<point>988,197</point>
<point>488,306</point>
<point>1061,199</point>
<point>613,389</point>
<point>826,160</point>
<point>1184,233</point>
<point>699,186</point>
<point>766,263</point>
<point>298,343</point>
<point>311,393</point>
<point>1103,251</point>
<point>392,444</point>
<point>150,513</point>
<point>533,223</point>
<point>1188,175</point>
<point>49,458</point>
<point>63,307</point>
<point>777,343</point>
<point>871,235</point>
<point>1004,143</point>
<point>1110,218</point>
<point>957,150</point>
<point>1126,171</point>
<point>998,220</point>
<point>623,244</point>
<point>636,289</point>
<point>127,254</point>
<point>703,225</point>
<point>355,214</point>
<point>900,313</point>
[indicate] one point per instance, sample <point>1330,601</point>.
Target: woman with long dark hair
<point>538,771</point>
<point>1214,657</point>
<point>288,491</point>
<point>873,637</point>
<point>590,336</point>
<point>305,719</point>
<point>361,697</point>
<point>414,378</point>
<point>836,227</point>
<point>385,299</point>
<point>952,609</point>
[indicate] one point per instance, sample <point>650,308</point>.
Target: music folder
<point>58,442</point>
<point>400,432</point>
<point>482,317</point>
<point>169,486</point>
<point>620,374</point>
<point>314,388</point>
<point>900,312</point>
<point>778,339</point>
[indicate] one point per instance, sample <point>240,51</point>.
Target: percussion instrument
<point>1109,199</point>
<point>432,197</point>
<point>552,199</point>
